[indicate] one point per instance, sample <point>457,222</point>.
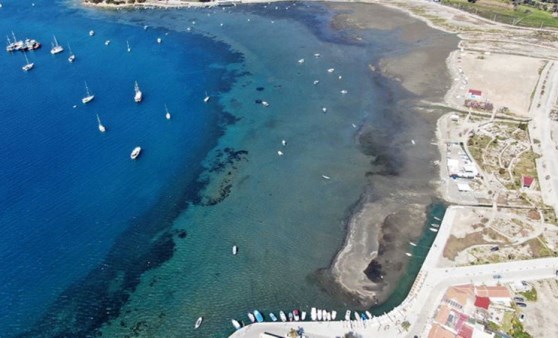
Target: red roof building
<point>527,181</point>
<point>482,302</point>
<point>475,92</point>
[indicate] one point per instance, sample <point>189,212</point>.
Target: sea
<point>94,243</point>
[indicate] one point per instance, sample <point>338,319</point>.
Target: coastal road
<point>420,305</point>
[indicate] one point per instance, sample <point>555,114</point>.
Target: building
<point>527,181</point>
<point>474,94</point>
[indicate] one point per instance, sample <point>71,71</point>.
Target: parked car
<point>497,276</point>
<point>495,248</point>
<point>520,304</point>
<point>518,299</point>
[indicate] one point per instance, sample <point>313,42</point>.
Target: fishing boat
<point>88,96</point>
<point>167,114</point>
<point>138,96</point>
<point>303,315</point>
<point>319,314</point>
<point>313,314</point>
<point>56,48</point>
<point>198,322</point>
<point>128,46</point>
<point>282,316</point>
<point>72,56</point>
<point>236,324</point>
<point>348,315</point>
<point>102,128</point>
<point>333,315</point>
<point>135,153</point>
<point>251,317</point>
<point>206,98</point>
<point>272,316</point>
<point>28,65</point>
<point>296,315</point>
<point>234,250</point>
<point>368,314</point>
<point>258,316</point>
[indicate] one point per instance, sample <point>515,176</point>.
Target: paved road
<point>421,303</point>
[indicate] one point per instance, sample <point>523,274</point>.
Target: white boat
<point>326,177</point>
<point>324,109</point>
<point>234,249</point>
<point>28,65</point>
<point>272,316</point>
<point>368,314</point>
<point>437,218</point>
<point>320,314</point>
<point>356,315</point>
<point>324,315</point>
<point>198,322</point>
<point>317,55</point>
<point>135,153</point>
<point>102,128</point>
<point>303,315</point>
<point>206,98</point>
<point>282,316</point>
<point>91,32</point>
<point>331,70</point>
<point>333,315</point>
<point>433,229</point>
<point>284,142</point>
<point>56,48</point>
<point>265,103</point>
<point>313,314</point>
<point>236,324</point>
<point>107,42</point>
<point>434,225</point>
<point>167,114</point>
<point>296,315</point>
<point>344,91</point>
<point>88,97</point>
<point>72,56</point>
<point>409,254</point>
<point>159,40</point>
<point>316,82</point>
<point>348,315</point>
<point>279,152</point>
<point>301,61</point>
<point>413,142</point>
<point>128,46</point>
<point>251,317</point>
<point>138,96</point>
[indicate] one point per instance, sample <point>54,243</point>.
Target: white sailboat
<point>167,115</point>
<point>56,48</point>
<point>138,96</point>
<point>102,128</point>
<point>28,65</point>
<point>88,97</point>
<point>135,153</point>
<point>72,56</point>
<point>128,46</point>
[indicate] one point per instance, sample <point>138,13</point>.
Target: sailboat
<point>102,128</point>
<point>56,48</point>
<point>128,47</point>
<point>138,96</point>
<point>206,98</point>
<point>28,65</point>
<point>72,56</point>
<point>167,115</point>
<point>89,97</point>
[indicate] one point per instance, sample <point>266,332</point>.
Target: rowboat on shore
<point>333,315</point>
<point>251,317</point>
<point>348,315</point>
<point>258,316</point>
<point>303,315</point>
<point>282,316</point>
<point>272,316</point>
<point>368,314</point>
<point>236,324</point>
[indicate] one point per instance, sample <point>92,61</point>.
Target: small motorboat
<point>282,316</point>
<point>409,254</point>
<point>325,177</point>
<point>348,315</point>
<point>331,70</point>
<point>159,40</point>
<point>258,315</point>
<point>320,314</point>
<point>434,225</point>
<point>265,103</point>
<point>91,32</point>
<point>272,316</point>
<point>135,153</point>
<point>344,91</point>
<point>296,315</point>
<point>290,316</point>
<point>107,42</point>
<point>324,109</point>
<point>437,218</point>
<point>303,315</point>
<point>333,314</point>
<point>433,230</point>
<point>324,315</point>
<point>206,98</point>
<point>317,55</point>
<point>251,317</point>
<point>368,314</point>
<point>316,82</point>
<point>363,316</point>
<point>313,314</point>
<point>301,61</point>
<point>283,142</point>
<point>279,152</point>
<point>198,322</point>
<point>236,324</point>
<point>234,250</point>
<point>356,315</point>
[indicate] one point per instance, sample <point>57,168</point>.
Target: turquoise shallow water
<point>96,242</point>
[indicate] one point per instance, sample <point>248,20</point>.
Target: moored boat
<point>356,315</point>
<point>258,316</point>
<point>251,317</point>
<point>56,48</point>
<point>167,114</point>
<point>368,314</point>
<point>348,315</point>
<point>206,98</point>
<point>72,56</point>
<point>198,322</point>
<point>28,65</point>
<point>296,315</point>
<point>282,316</point>
<point>313,314</point>
<point>303,315</point>
<point>138,96</point>
<point>102,128</point>
<point>236,324</point>
<point>272,316</point>
<point>363,316</point>
<point>333,315</point>
<point>135,153</point>
<point>433,229</point>
<point>290,316</point>
<point>234,250</point>
<point>88,97</point>
<point>320,314</point>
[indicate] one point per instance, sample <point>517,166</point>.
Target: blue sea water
<point>95,242</point>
